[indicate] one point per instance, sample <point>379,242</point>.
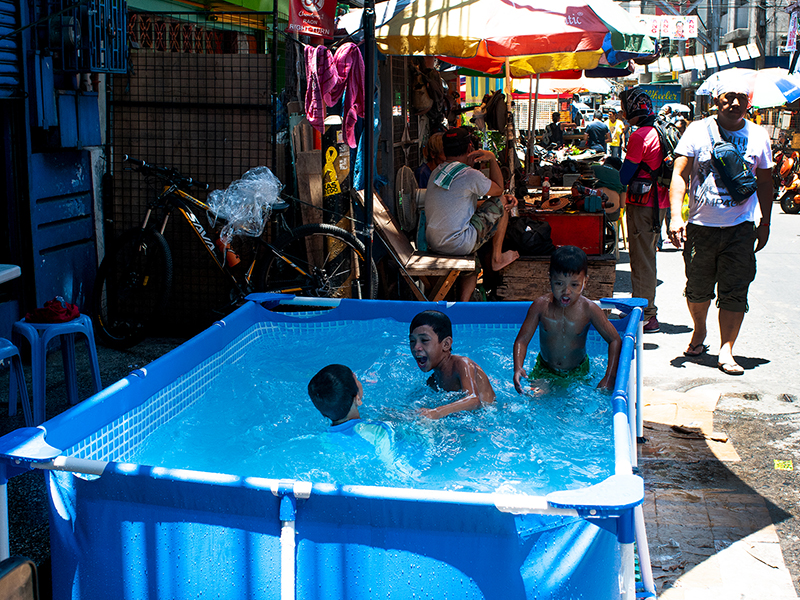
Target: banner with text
<point>312,17</point>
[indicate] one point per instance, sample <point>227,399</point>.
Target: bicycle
<point>134,280</point>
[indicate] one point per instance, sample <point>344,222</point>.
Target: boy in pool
<point>431,340</point>
<point>563,317</point>
<point>337,393</point>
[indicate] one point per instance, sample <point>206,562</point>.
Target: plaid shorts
<point>721,257</point>
<point>485,220</point>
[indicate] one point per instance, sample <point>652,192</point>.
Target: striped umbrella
<point>547,35</point>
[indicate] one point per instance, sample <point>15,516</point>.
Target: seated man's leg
<point>491,221</point>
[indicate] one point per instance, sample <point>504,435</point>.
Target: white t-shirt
<point>447,212</point>
<point>710,203</point>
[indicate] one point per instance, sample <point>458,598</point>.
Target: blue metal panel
<point>62,224</point>
<point>10,58</point>
<point>44,97</point>
<point>67,118</point>
<point>88,120</point>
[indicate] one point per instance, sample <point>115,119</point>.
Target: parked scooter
<point>786,179</point>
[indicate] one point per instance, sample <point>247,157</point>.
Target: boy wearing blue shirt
<point>337,393</point>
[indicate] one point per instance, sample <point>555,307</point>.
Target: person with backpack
<point>647,199</point>
<point>726,164</point>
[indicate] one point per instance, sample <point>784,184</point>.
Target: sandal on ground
<point>696,349</point>
<point>731,368</point>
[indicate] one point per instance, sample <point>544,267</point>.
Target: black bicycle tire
<point>788,204</point>
<point>136,307</point>
<point>270,276</point>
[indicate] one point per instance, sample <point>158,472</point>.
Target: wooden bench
<point>436,271</point>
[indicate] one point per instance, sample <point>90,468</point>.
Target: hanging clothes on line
<point>329,77</point>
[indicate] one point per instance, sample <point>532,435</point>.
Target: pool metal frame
<point>619,496</point>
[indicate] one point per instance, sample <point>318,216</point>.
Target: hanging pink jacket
<point>328,77</point>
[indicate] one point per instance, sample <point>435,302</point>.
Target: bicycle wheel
<point>322,261</point>
<point>133,284</point>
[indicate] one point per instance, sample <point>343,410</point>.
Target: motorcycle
<point>786,179</point>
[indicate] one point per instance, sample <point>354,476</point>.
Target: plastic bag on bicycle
<point>245,206</point>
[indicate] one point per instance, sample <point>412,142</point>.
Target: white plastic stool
<point>16,382</point>
<point>38,336</point>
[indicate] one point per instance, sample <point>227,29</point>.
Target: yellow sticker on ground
<point>783,465</point>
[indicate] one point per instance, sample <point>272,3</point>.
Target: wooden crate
<point>529,277</point>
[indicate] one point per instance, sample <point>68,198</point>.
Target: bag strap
<point>716,132</point>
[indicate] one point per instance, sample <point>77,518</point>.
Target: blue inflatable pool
<point>129,531</point>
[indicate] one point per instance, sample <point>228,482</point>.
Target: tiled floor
<point>705,544</point>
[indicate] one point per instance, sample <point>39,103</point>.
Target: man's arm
<point>495,174</point>
<point>764,192</point>
<point>677,190</point>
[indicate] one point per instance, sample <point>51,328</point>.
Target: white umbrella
<point>768,87</point>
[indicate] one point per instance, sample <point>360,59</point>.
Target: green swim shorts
<point>541,370</point>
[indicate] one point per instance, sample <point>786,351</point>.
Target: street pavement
<point>721,513</point>
<point>768,346</point>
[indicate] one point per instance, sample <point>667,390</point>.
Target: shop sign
<point>312,17</point>
<point>672,27</point>
<point>791,36</point>
<point>662,94</point>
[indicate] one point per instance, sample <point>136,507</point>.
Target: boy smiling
<point>563,317</point>
<point>431,340</point>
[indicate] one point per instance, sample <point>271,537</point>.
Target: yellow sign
<point>783,465</point>
<point>330,181</point>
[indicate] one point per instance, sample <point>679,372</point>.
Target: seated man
<point>554,133</point>
<point>455,224</point>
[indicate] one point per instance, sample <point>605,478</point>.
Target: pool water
<point>257,420</point>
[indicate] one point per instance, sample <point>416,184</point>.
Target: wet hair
<point>615,162</point>
<point>568,260</point>
<point>438,321</point>
<point>332,391</point>
<point>556,117</point>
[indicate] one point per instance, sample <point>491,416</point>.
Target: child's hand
<point>430,413</point>
<point>518,375</point>
<point>606,383</point>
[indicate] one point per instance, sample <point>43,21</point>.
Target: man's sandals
<point>696,350</point>
<point>731,368</point>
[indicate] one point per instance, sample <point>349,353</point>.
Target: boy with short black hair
<point>337,393</point>
<point>563,317</point>
<point>431,340</point>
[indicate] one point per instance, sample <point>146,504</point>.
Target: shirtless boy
<point>563,318</point>
<point>431,340</point>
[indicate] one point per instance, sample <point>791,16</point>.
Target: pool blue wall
<point>147,534</point>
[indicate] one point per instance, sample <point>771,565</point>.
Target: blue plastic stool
<point>16,382</point>
<point>38,336</point>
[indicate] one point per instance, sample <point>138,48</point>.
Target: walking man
<point>646,202</point>
<point>721,238</point>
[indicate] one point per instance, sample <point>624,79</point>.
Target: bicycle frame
<point>172,197</point>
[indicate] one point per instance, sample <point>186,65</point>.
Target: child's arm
<point>467,372</point>
<point>610,335</point>
<point>524,337</point>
